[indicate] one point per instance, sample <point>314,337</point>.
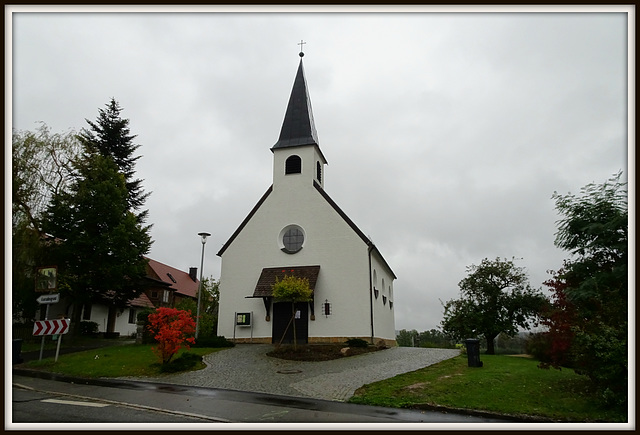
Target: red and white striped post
<point>51,327</point>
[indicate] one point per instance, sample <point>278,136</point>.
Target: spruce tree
<point>110,136</point>
<point>98,223</point>
<point>100,244</point>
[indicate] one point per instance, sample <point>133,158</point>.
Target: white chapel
<point>297,229</point>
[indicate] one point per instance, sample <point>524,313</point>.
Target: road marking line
<point>137,406</point>
<point>24,387</point>
<point>73,402</point>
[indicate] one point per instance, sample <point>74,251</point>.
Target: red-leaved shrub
<point>172,329</point>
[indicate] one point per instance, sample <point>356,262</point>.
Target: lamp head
<point>204,237</point>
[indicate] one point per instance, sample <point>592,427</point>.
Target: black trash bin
<point>17,351</point>
<point>473,352</point>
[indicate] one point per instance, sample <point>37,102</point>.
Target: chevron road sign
<point>51,327</point>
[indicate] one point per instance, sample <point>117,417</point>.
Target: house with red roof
<point>170,285</point>
<point>167,286</point>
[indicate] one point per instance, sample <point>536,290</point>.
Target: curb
<point>484,414</point>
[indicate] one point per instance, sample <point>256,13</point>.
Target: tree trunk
<point>76,318</point>
<point>293,317</point>
<point>491,350</point>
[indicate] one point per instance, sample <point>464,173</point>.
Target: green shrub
<point>184,362</point>
<point>143,319</point>
<point>218,341</point>
<point>356,342</point>
<point>88,328</point>
<point>143,316</point>
<point>538,346</point>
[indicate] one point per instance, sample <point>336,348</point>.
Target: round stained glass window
<point>292,240</point>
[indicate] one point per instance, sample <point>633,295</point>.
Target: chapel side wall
<point>383,312</point>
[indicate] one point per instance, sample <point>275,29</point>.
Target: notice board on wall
<point>243,319</point>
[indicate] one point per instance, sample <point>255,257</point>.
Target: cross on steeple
<point>301,43</point>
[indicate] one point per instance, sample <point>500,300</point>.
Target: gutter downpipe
<point>371,246</point>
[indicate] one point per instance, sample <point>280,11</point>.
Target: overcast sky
<point>446,133</point>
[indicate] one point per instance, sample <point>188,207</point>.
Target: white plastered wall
<point>383,310</point>
<point>329,242</point>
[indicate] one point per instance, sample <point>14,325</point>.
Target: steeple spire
<point>298,127</point>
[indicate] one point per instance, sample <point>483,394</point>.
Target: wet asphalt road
<point>175,403</point>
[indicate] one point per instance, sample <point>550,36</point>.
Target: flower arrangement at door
<point>172,329</point>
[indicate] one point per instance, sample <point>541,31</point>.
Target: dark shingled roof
<point>269,275</point>
<point>298,127</point>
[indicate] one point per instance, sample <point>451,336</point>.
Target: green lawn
<point>35,343</point>
<point>114,361</point>
<point>505,384</point>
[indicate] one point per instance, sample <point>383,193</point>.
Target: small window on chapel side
<point>319,171</point>
<point>293,165</point>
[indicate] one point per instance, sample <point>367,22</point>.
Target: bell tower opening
<point>293,165</point>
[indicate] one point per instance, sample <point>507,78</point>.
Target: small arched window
<point>319,172</point>
<point>293,165</point>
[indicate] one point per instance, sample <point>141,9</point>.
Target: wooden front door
<point>282,324</point>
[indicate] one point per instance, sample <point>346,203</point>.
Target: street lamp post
<point>203,236</point>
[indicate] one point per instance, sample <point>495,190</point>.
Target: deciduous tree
<point>589,317</point>
<point>406,338</point>
<point>41,167</point>
<point>495,297</point>
<point>209,309</point>
<point>292,289</point>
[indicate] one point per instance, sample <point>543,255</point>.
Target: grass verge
<point>137,360</point>
<point>506,385</point>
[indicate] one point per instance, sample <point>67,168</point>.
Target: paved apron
<point>246,367</point>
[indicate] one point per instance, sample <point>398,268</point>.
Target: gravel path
<point>246,367</point>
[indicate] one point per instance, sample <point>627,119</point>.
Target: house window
<point>86,312</point>
<point>132,316</point>
<point>319,171</point>
<point>154,294</point>
<point>292,239</point>
<point>165,296</point>
<point>293,165</point>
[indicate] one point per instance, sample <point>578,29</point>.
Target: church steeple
<point>298,127</point>
<point>297,151</point>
